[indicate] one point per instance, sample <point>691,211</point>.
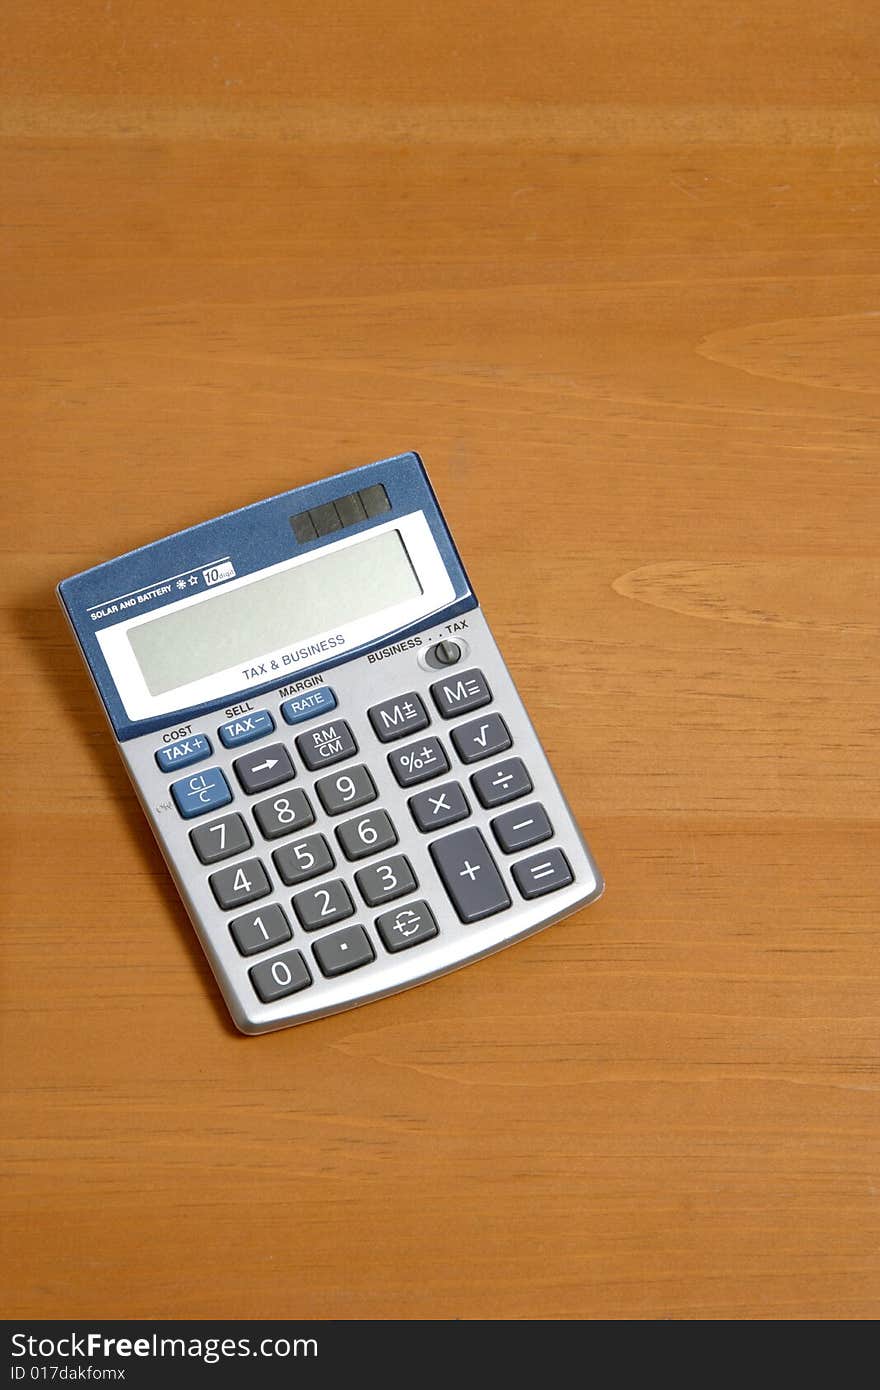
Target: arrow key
<point>264,767</point>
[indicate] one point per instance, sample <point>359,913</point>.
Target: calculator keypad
<point>220,839</point>
<point>478,885</point>
<point>260,930</point>
<point>185,751</point>
<point>460,693</point>
<point>344,950</point>
<point>327,744</point>
<point>320,907</point>
<point>367,834</point>
<point>522,828</point>
<point>503,782</point>
<point>381,883</point>
<point>309,705</point>
<point>201,793</point>
<point>418,762</point>
<point>346,791</point>
<point>246,728</point>
<point>481,738</point>
<point>263,768</point>
<point>396,718</point>
<point>304,859</point>
<point>240,884</point>
<point>470,877</point>
<point>406,926</point>
<point>543,873</point>
<point>439,806</point>
<point>282,975</point>
<point>282,815</point>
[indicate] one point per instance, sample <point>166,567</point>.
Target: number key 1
<point>257,931</point>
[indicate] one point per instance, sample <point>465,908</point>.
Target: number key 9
<point>346,790</point>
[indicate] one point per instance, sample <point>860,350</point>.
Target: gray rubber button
<point>406,926</point>
<point>220,839</point>
<point>396,718</point>
<point>470,877</point>
<point>503,782</point>
<point>343,950</point>
<point>304,859</point>
<point>283,814</point>
<point>522,828</point>
<point>481,738</point>
<point>240,883</point>
<point>461,693</point>
<point>346,791</point>
<point>280,976</point>
<point>382,883</point>
<point>418,762</point>
<point>257,931</point>
<point>328,743</point>
<point>367,834</point>
<point>264,767</point>
<point>432,810</point>
<point>321,907</point>
<point>543,873</point>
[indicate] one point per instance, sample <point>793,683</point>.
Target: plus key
<point>470,877</point>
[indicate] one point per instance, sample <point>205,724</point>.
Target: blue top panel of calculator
<point>252,538</point>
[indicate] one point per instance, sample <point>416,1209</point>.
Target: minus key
<point>522,828</point>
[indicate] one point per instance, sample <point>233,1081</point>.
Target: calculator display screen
<point>236,626</point>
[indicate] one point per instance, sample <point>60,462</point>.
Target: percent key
<point>418,762</point>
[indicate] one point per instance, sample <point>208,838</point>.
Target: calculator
<point>329,747</point>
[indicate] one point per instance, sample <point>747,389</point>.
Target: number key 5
<point>305,859</point>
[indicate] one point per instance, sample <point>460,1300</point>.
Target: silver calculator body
<point>326,740</point>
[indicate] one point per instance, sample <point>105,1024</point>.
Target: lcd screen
<point>237,626</point>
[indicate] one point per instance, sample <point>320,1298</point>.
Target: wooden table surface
<point>613,270</point>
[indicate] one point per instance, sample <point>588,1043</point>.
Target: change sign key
<point>408,823</point>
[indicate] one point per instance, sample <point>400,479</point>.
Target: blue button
<point>308,705</point>
<point>183,752</point>
<point>249,726</point>
<point>202,792</point>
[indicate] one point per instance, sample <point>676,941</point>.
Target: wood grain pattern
<point>613,270</point>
